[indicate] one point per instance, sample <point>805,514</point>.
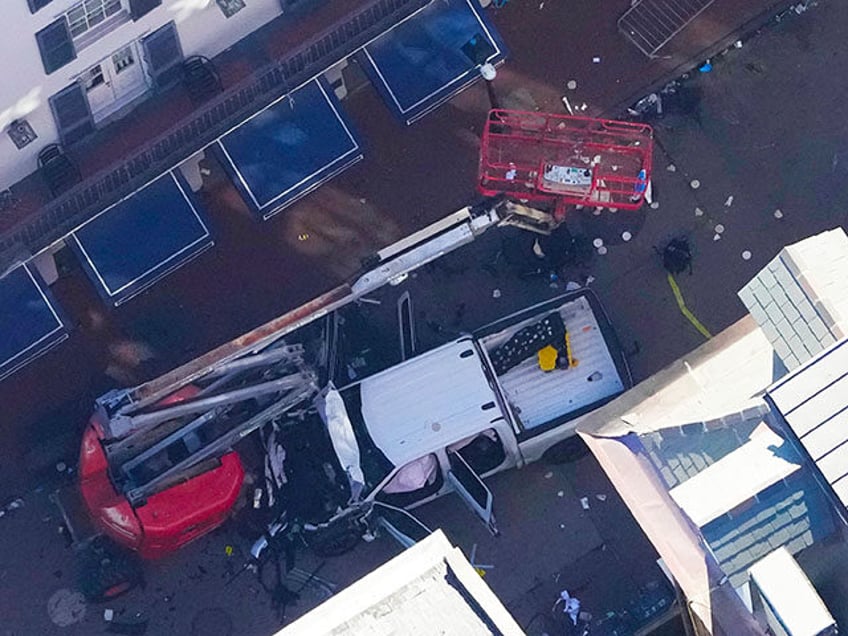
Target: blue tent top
<point>288,149</point>
<point>129,246</point>
<point>427,59</point>
<point>30,321</point>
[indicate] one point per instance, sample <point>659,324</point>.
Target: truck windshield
<point>375,465</point>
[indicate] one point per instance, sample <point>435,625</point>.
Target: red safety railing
<point>565,160</point>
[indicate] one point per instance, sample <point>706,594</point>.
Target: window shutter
<point>35,5</point>
<point>139,8</point>
<point>55,45</point>
<point>164,56</point>
<point>71,113</point>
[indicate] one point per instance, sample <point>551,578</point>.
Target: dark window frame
<point>55,45</point>
<point>36,5</point>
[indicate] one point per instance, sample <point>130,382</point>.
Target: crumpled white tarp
<point>333,412</point>
<point>571,605</point>
<point>275,474</point>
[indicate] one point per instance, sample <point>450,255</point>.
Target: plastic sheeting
<point>333,413</point>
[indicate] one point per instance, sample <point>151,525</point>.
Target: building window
<point>123,59</point>
<point>94,78</point>
<point>230,7</point>
<point>88,14</point>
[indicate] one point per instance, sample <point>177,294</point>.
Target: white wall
<point>25,88</point>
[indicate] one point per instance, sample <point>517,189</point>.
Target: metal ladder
<point>151,449</point>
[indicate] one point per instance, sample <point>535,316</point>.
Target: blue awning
<point>129,246</point>
<point>30,322</point>
<point>288,149</point>
<point>427,59</point>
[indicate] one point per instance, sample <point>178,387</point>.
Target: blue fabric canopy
<point>288,149</point>
<point>129,246</point>
<point>427,59</point>
<point>30,322</point>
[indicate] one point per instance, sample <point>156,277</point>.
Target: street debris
<point>699,212</point>
<point>481,568</point>
<point>108,615</point>
<point>134,627</point>
<point>571,605</point>
<point>567,105</point>
<point>655,205</point>
<point>496,293</point>
<point>746,255</point>
<point>61,467</point>
<point>676,256</point>
<point>650,103</point>
<point>572,85</point>
<point>737,44</point>
<point>561,493</point>
<point>716,237</point>
<point>602,250</point>
<point>706,67</point>
<point>549,474</point>
<point>66,607</point>
<point>537,249</point>
<point>671,167</point>
<point>598,242</point>
<point>694,184</point>
<point>674,98</point>
<point>596,60</point>
<point>778,213</point>
<point>12,505</point>
<point>584,502</point>
<point>601,497</point>
<point>719,229</point>
<point>228,550</point>
<point>626,236</point>
<point>729,201</point>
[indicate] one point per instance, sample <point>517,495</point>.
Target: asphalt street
<point>767,128</point>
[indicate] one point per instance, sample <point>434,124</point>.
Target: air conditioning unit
<point>783,597</point>
<point>21,133</point>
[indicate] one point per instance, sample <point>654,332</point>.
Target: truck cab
<point>448,418</point>
<point>430,425</point>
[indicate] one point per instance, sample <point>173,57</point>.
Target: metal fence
<point>651,24</point>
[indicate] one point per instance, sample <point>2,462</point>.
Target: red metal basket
<point>565,160</point>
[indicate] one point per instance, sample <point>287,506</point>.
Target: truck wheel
<point>568,450</point>
<point>106,571</point>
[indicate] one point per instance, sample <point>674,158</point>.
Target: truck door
<point>399,524</point>
<point>406,326</point>
<point>472,490</point>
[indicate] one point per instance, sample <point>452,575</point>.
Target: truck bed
<point>540,399</point>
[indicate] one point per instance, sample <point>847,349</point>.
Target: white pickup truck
<point>447,418</point>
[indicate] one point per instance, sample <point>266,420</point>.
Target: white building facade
<point>73,65</point>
